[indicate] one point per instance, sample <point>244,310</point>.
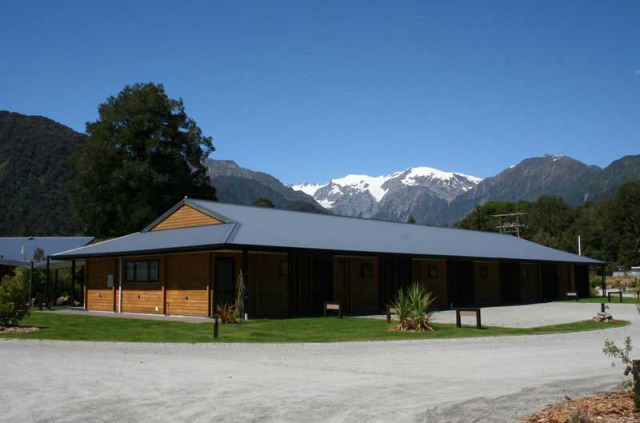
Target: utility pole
<point>579,246</point>
<point>509,223</point>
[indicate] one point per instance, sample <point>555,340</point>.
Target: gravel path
<point>451,380</point>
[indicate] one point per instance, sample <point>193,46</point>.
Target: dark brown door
<point>224,280</point>
<point>462,286</point>
<point>509,283</point>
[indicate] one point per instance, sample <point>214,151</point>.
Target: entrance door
<point>550,284</point>
<point>463,283</point>
<point>224,280</point>
<point>509,283</point>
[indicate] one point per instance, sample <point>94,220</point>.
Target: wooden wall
<point>438,285</point>
<point>269,292</point>
<point>566,279</point>
<point>363,290</point>
<point>185,217</point>
<point>98,295</point>
<point>487,288</point>
<point>143,297</point>
<point>188,279</point>
<point>530,282</point>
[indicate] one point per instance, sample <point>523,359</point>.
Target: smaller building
<point>25,251</point>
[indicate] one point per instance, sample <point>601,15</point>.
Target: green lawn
<point>319,329</point>
<point>614,300</point>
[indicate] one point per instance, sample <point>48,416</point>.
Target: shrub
<point>621,354</point>
<point>595,282</point>
<point>228,314</point>
<point>579,416</point>
<point>413,307</point>
<point>13,298</point>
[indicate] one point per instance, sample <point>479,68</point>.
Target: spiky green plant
<point>413,307</point>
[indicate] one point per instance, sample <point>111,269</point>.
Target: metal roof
<point>257,227</point>
<point>19,251</point>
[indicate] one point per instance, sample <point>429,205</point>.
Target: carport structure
<point>34,252</point>
<point>192,257</point>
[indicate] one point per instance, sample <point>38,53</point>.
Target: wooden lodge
<point>193,256</point>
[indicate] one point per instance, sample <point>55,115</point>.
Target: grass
<point>313,329</point>
<point>614,300</point>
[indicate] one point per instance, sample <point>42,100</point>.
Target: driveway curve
<point>451,380</point>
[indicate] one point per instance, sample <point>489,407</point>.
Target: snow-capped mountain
<point>419,191</point>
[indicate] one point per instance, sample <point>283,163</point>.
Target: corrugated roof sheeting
<point>11,247</point>
<point>265,227</point>
<point>142,242</point>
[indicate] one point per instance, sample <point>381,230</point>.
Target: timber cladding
<point>187,284</point>
<point>143,297</point>
<point>270,284</point>
<point>487,283</point>
<point>432,275</point>
<point>186,217</point>
<point>99,295</point>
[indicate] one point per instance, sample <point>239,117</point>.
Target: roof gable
<point>185,216</point>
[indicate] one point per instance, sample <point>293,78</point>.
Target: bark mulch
<point>17,329</point>
<point>611,407</point>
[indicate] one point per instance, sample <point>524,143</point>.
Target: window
<point>433,271</point>
<point>142,271</point>
<point>484,271</point>
<point>283,270</point>
<point>366,270</point>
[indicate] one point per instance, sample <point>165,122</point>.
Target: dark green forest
<point>34,166</point>
<point>609,230</point>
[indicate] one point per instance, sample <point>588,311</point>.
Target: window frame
<point>137,263</point>
<point>432,271</point>
<point>366,270</point>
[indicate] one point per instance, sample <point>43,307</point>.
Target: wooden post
<point>82,276</point>
<point>46,283</point>
<point>245,280</point>
<point>604,280</point>
<point>636,384</point>
<point>73,282</point>
<point>55,287</point>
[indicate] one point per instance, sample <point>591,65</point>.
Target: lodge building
<point>193,256</point>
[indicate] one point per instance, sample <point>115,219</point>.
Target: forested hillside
<point>609,229</point>
<point>34,166</point>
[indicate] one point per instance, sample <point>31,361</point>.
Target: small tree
<point>13,291</point>
<point>411,219</point>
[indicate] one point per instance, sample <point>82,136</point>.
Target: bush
<point>228,314</point>
<point>595,282</point>
<point>413,307</point>
<point>13,298</point>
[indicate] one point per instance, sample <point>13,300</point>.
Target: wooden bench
<point>570,295</point>
<point>390,311</point>
<point>333,306</point>
<point>618,293</point>
<point>471,311</point>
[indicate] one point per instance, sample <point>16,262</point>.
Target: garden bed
<point>6,330</point>
<point>611,407</point>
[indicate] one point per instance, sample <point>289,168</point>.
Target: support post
<point>46,283</point>
<point>245,279</point>
<point>120,285</point>
<point>55,287</point>
<point>30,282</point>
<point>215,326</point>
<point>604,280</point>
<point>73,282</point>
<point>82,284</point>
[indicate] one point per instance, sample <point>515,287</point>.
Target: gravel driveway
<point>451,380</point>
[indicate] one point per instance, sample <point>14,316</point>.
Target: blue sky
<point>309,90</point>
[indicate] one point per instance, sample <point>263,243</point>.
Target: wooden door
<point>224,281</point>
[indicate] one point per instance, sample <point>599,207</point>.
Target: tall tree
<point>624,221</point>
<point>142,156</point>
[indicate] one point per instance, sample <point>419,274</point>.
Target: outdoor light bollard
<point>215,325</point>
<point>634,369</point>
